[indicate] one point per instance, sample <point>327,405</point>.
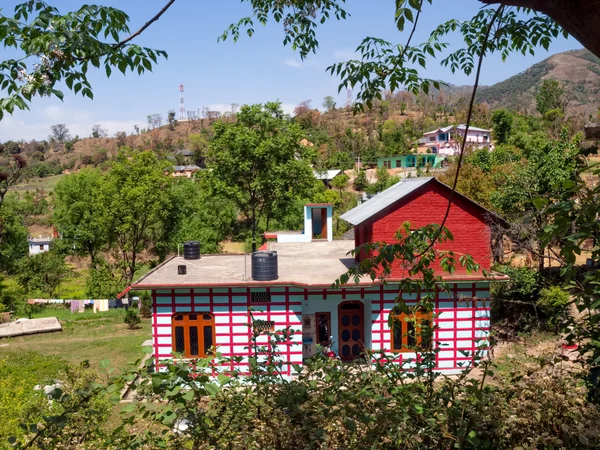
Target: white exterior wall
<point>462,319</point>
<point>306,236</point>
<point>229,306</point>
<point>34,249</point>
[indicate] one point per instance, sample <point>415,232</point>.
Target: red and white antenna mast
<point>349,98</point>
<point>181,104</point>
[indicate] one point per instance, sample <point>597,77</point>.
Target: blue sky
<point>253,70</point>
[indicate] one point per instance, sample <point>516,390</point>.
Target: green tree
<point>533,184</point>
<point>328,103</point>
<point>360,182</point>
<point>340,182</point>
<point>550,96</point>
<point>43,274</point>
<point>392,136</point>
<point>384,181</point>
<point>171,120</point>
<point>11,169</point>
<point>49,53</point>
<point>503,122</point>
<point>198,143</point>
<point>136,198</point>
<point>81,214</point>
<point>200,216</point>
<point>474,182</point>
<point>102,282</point>
<point>258,162</point>
<point>13,235</point>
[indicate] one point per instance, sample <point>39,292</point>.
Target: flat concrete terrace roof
<point>307,263</point>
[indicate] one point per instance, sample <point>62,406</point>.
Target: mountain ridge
<point>578,71</point>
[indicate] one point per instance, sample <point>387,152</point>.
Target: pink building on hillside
<point>446,141</point>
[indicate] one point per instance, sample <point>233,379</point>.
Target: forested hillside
<point>578,71</point>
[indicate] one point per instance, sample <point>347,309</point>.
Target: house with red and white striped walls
<point>204,301</point>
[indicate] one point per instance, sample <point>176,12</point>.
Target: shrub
<point>360,182</point>
<point>20,371</point>
<point>554,302</point>
<point>514,303</point>
<point>146,305</point>
<point>338,406</point>
<point>29,309</point>
<point>132,319</point>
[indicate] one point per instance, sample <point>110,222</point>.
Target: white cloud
<point>35,124</point>
<point>345,55</point>
<point>293,63</point>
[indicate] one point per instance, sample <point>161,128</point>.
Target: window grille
<point>208,340</point>
<point>260,297</point>
<point>261,326</point>
<point>179,340</point>
<point>194,341</point>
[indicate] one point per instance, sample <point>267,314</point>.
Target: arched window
<point>193,334</point>
<point>410,331</point>
<point>410,161</point>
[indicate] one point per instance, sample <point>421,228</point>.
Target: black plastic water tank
<point>191,250</point>
<point>264,266</point>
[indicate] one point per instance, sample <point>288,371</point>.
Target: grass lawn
<point>72,288</point>
<point>47,183</point>
<point>39,359</point>
<point>85,336</point>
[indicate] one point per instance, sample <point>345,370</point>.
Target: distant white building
<point>446,141</point>
<point>185,171</point>
<point>39,245</point>
<point>327,176</point>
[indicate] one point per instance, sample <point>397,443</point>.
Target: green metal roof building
<point>432,161</point>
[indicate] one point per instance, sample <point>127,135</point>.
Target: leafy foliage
<point>258,163</point>
<point>299,19</point>
<point>132,319</point>
<point>135,195</point>
<point>550,96</point>
<point>19,403</point>
<point>503,122</point>
<point>102,282</point>
<point>13,236</point>
<point>573,221</point>
<point>42,274</point>
<point>59,48</point>
<point>199,215</point>
<point>81,214</point>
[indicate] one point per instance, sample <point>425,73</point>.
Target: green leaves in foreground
<point>55,48</point>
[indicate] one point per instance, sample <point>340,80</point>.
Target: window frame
<point>187,324</point>
<point>415,318</point>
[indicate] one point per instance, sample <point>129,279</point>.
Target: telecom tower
<point>349,98</point>
<point>181,104</point>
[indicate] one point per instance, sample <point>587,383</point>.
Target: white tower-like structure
<point>181,104</point>
<point>349,98</point>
